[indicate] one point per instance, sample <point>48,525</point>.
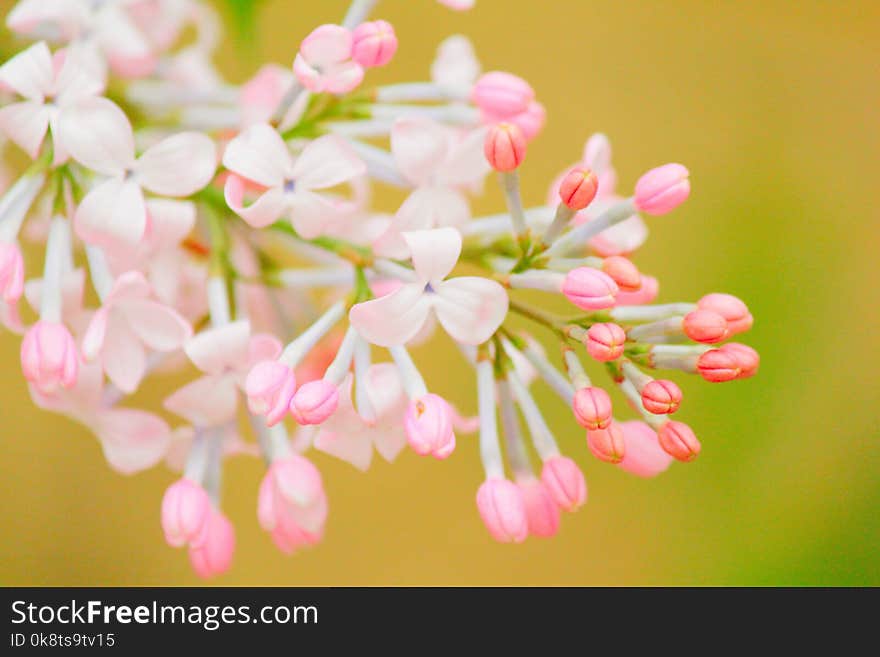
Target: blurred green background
<point>774,108</point>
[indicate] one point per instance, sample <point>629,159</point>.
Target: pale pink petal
<point>206,402</point>
<point>419,147</point>
<point>133,440</point>
<point>466,164</point>
<point>30,72</point>
<point>113,213</point>
<point>220,349</point>
<point>393,319</point>
<point>385,388</point>
<point>128,285</point>
<point>312,214</point>
<point>433,252</point>
<point>327,44</point>
<point>93,339</point>
<point>259,154</point>
<point>25,124</point>
<point>470,308</point>
<point>266,210</point>
<point>170,221</point>
<point>122,355</point>
<point>343,77</point>
<point>432,207</point>
<point>352,447</point>
<point>308,75</point>
<point>76,78</point>
<point>260,96</point>
<point>326,162</point>
<point>158,326</point>
<point>455,66</point>
<point>262,346</point>
<point>179,165</point>
<point>622,238</point>
<point>98,135</point>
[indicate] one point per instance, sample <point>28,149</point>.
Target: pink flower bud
<point>213,555</point>
<point>314,402</point>
<point>605,341</point>
<point>292,503</point>
<point>737,314</point>
<point>747,358</point>
<point>269,387</point>
<point>590,289</point>
<point>531,122</point>
<point>661,397</point>
<point>11,273</point>
<point>186,508</point>
<point>503,510</point>
<point>663,189</point>
<point>705,326</point>
<point>578,188</point>
<point>623,272</point>
<point>374,43</point>
<point>646,293</point>
<point>607,444</point>
<point>565,481</point>
<point>428,426</point>
<point>542,512</point>
<point>49,357</point>
<point>718,366</point>
<point>505,146</point>
<point>678,440</point>
<point>644,456</point>
<point>592,408</point>
<point>502,95</point>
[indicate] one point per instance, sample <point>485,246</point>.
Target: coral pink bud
<point>607,444</point>
<point>592,408</point>
<point>269,387</point>
<point>428,426</point>
<point>644,456</point>
<point>646,293</point>
<point>49,357</point>
<point>578,188</point>
<point>314,402</point>
<point>623,272</point>
<point>718,366</point>
<point>542,512</point>
<point>705,326</point>
<point>747,358</point>
<point>502,95</point>
<point>505,146</point>
<point>213,554</point>
<point>531,122</point>
<point>374,43</point>
<point>663,189</point>
<point>11,273</point>
<point>737,314</point>
<point>661,397</point>
<point>678,440</point>
<point>605,341</point>
<point>565,482</point>
<point>590,289</point>
<point>503,510</point>
<point>186,508</point>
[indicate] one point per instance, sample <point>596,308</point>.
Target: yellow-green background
<point>775,108</point>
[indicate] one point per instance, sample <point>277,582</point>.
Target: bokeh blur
<point>775,108</point>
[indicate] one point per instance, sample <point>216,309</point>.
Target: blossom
<point>324,61</point>
<point>469,308</point>
<point>50,87</point>
<point>260,155</point>
<point>99,136</point>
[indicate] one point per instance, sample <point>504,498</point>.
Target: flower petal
<point>208,401</point>
<point>122,355</point>
<point>432,207</point>
<point>393,319</point>
<point>128,285</point>
<point>158,326</point>
<point>220,349</point>
<point>93,339</point>
<point>133,440</point>
<point>98,135</point>
<point>76,78</point>
<point>30,73</point>
<point>259,154</point>
<point>179,165</point>
<point>419,146</point>
<point>327,44</point>
<point>343,77</point>
<point>470,308</point>
<point>170,221</point>
<point>466,164</point>
<point>25,124</point>
<point>312,214</point>
<point>266,210</point>
<point>326,162</point>
<point>433,252</point>
<point>455,67</point>
<point>112,213</point>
